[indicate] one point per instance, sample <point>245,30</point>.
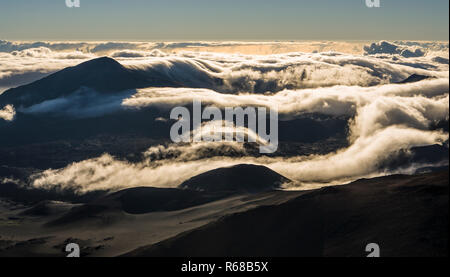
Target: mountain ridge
<point>104,75</point>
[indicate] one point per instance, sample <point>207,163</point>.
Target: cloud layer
<point>387,120</point>
<point>388,117</point>
<point>309,64</point>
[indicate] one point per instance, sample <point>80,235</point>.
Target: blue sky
<point>224,20</point>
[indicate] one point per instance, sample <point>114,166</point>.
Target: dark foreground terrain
<point>404,215</point>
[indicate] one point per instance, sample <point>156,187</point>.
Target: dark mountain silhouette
<point>148,199</point>
<point>319,128</point>
<point>239,178</point>
<point>105,75</point>
<point>46,208</point>
<point>415,78</point>
<point>138,200</point>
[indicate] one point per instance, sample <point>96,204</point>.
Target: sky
<point>147,20</point>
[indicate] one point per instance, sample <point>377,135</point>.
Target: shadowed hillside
<point>405,215</point>
<point>101,74</point>
<point>239,178</point>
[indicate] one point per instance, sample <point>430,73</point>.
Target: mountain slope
<point>404,215</point>
<point>104,75</point>
<point>415,78</point>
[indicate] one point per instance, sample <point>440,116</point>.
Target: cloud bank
<point>83,103</point>
<point>245,66</point>
<point>386,120</point>
<point>388,117</point>
<point>384,47</point>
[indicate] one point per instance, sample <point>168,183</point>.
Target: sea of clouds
<point>387,120</point>
<point>361,81</point>
<point>24,62</point>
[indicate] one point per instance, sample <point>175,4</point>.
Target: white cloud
<point>338,100</point>
<point>137,54</point>
<point>385,47</point>
<point>25,66</point>
<point>386,117</point>
<point>285,64</point>
<point>386,120</point>
<point>7,113</point>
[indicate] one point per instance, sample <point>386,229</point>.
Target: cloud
<point>386,120</point>
<point>10,46</point>
<point>387,117</point>
<point>83,103</point>
<point>334,101</point>
<point>259,74</point>
<point>7,113</point>
<point>24,66</point>
<point>260,48</point>
<point>430,45</point>
<point>359,160</point>
<point>384,47</point>
<point>108,173</point>
<point>137,54</point>
<point>112,46</point>
<point>43,52</point>
<point>22,63</point>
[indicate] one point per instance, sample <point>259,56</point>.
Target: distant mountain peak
<point>415,78</point>
<point>100,63</point>
<point>104,75</point>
